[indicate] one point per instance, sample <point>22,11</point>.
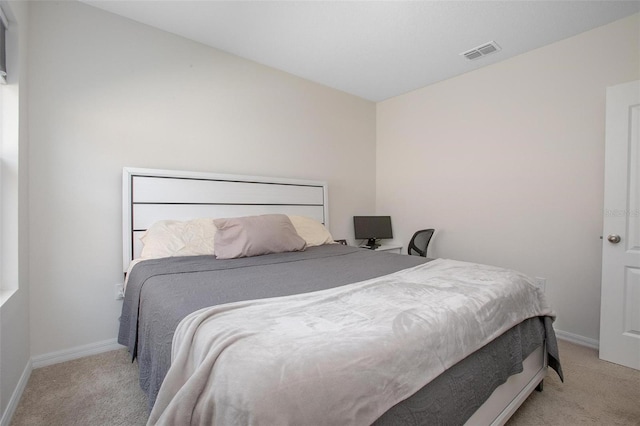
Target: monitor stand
<point>371,244</point>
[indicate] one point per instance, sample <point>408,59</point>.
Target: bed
<point>465,378</point>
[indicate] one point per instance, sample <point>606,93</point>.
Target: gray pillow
<point>255,235</point>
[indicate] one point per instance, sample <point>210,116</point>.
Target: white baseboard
<point>75,353</point>
<point>577,339</point>
<point>17,394</point>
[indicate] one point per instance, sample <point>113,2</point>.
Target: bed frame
<point>150,195</point>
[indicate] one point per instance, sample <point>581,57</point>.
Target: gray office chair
<point>419,242</point>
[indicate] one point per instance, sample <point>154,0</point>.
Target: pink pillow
<point>255,235</point>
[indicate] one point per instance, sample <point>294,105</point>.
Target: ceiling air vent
<point>480,51</point>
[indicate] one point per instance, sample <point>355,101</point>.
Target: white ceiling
<point>372,49</point>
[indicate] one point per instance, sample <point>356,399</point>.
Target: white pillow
<point>168,238</point>
<point>162,239</point>
<point>198,235</point>
<point>312,231</point>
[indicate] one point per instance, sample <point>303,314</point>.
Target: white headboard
<point>150,195</point>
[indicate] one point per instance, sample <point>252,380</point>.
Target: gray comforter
<point>160,293</point>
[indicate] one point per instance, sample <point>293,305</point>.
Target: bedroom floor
<point>595,392</point>
<point>103,390</point>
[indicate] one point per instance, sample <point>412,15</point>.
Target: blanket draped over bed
<point>339,356</point>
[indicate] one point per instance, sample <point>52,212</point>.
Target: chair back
<point>419,242</point>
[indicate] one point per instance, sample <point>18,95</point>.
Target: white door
<point>620,308</point>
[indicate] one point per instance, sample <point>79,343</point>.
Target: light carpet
<point>103,390</point>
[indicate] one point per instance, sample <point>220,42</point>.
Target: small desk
<point>393,248</point>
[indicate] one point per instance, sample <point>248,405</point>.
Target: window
<point>8,159</point>
<point>3,81</point>
<point>3,48</point>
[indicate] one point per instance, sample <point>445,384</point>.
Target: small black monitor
<point>372,228</point>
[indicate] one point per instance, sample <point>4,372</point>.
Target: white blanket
<point>341,356</point>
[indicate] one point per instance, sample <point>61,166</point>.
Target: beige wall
<point>105,93</point>
<point>507,163</point>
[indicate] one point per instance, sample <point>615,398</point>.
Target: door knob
<point>613,238</point>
